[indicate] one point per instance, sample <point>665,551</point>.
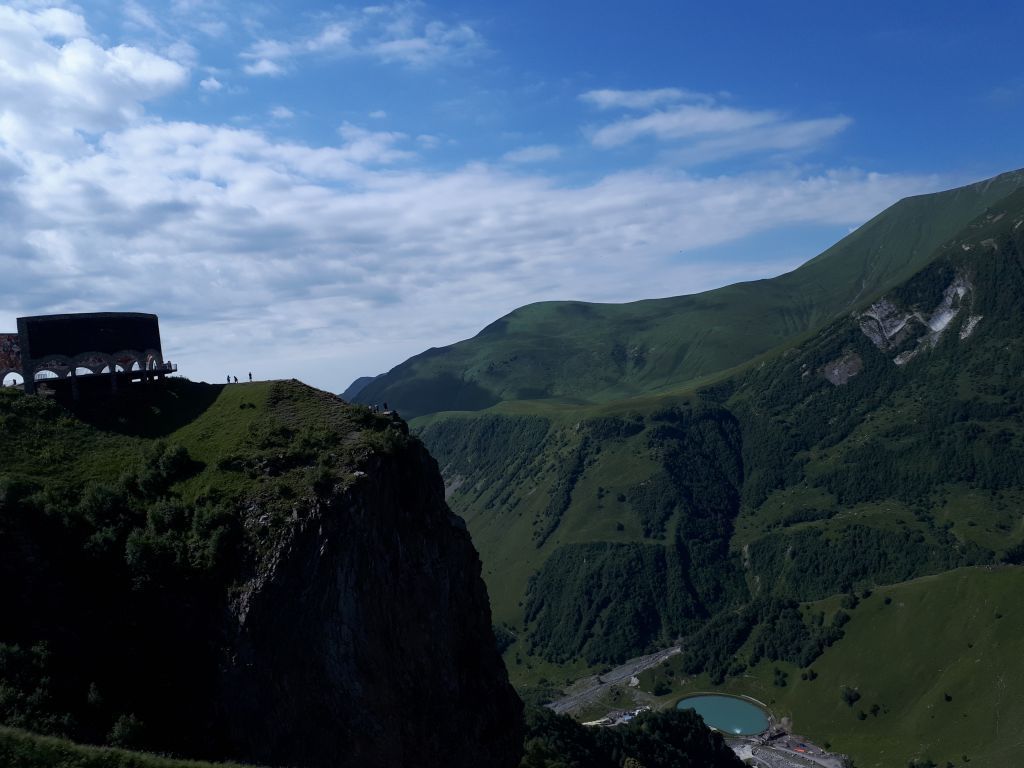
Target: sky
<point>321,190</point>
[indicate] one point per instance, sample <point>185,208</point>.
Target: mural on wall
<point>10,351</point>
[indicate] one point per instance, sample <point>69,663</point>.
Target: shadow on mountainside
<point>152,410</point>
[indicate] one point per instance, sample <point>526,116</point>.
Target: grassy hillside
<point>934,663</point>
<point>610,529</point>
<point>579,352</point>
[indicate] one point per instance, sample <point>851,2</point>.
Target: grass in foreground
<point>29,750</point>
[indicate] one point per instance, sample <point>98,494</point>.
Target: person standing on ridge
<point>250,376</point>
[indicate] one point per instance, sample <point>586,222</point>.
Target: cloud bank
<point>327,262</point>
<point>395,33</point>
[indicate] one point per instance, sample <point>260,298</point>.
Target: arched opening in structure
<point>83,371</point>
<point>45,374</point>
<point>12,379</point>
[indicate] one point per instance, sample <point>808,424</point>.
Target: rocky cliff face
<point>892,328</point>
<point>365,639</point>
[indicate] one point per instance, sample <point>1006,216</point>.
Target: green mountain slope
<point>580,352</point>
<point>932,661</point>
<point>607,530</point>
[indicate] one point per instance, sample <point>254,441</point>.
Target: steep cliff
<point>260,573</point>
<point>368,635</point>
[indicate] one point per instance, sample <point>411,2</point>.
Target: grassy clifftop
<point>226,430</point>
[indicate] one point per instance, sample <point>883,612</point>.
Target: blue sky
<point>321,190</point>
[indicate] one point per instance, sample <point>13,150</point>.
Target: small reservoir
<point>728,714</point>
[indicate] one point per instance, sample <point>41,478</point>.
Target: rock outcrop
<point>366,638</point>
<point>842,369</point>
<point>892,328</point>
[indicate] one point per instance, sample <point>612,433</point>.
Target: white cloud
<point>212,18</point>
<point>136,14</point>
<point>436,42</point>
<point>792,136</point>
<point>49,22</point>
<point>605,98</point>
<point>372,147</point>
<point>534,154</point>
<point>213,28</point>
<point>704,130</point>
<point>334,37</point>
<point>211,84</point>
<point>680,123</point>
<point>378,114</point>
<point>263,67</point>
<point>56,83</point>
<point>281,113</point>
<point>388,33</point>
<point>182,52</point>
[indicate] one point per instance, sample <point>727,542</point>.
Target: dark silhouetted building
<point>56,348</point>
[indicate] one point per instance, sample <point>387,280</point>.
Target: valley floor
<point>772,757</point>
<point>590,689</point>
<point>930,688</point>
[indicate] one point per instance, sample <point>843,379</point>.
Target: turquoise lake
<point>728,714</point>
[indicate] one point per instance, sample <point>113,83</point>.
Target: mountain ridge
<point>588,352</point>
<point>883,447</point>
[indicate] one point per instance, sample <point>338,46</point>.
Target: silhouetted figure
<point>250,375</point>
<point>229,379</point>
<point>236,379</point>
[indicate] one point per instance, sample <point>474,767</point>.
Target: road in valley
<point>589,689</point>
